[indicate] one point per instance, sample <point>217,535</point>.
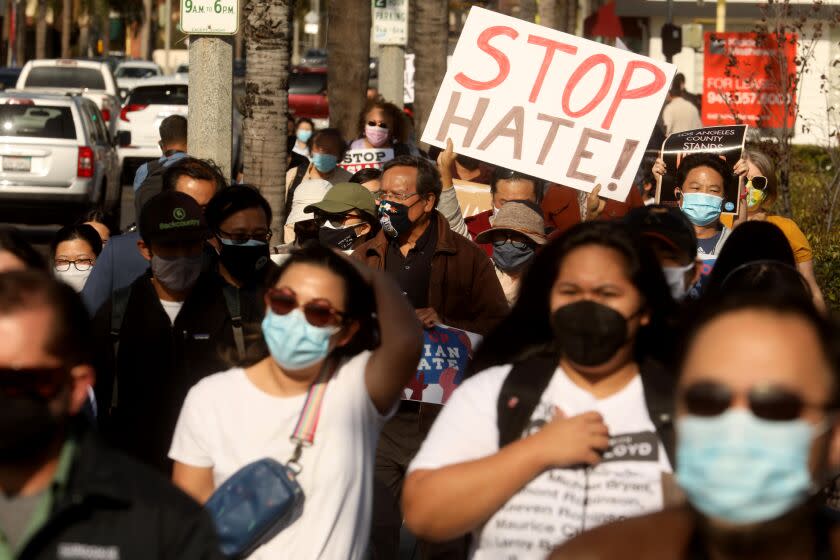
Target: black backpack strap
<point>232,302</point>
<point>119,303</point>
<point>290,191</point>
<point>659,389</point>
<point>520,394</point>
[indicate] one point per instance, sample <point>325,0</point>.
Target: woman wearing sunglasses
<point>324,315</point>
<point>756,438</point>
<point>530,452</point>
<point>762,192</point>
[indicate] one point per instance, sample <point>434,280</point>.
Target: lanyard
<point>304,433</point>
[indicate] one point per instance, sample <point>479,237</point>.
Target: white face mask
<point>76,279</point>
<point>675,276</point>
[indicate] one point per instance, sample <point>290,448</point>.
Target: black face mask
<point>244,262</point>
<point>589,333</point>
<point>342,238</point>
<point>27,427</point>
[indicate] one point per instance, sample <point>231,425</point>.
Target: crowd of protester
<point>653,381</point>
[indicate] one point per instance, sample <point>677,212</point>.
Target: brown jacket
<point>664,535</point>
<point>463,288</point>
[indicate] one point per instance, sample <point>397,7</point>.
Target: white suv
<point>94,80</point>
<point>57,159</point>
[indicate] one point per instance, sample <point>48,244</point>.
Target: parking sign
<point>210,17</point>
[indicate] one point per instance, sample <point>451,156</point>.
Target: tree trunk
<point>41,29</point>
<point>527,10</point>
<point>20,37</point>
<point>430,50</point>
<point>267,33</point>
<point>146,38</point>
<point>567,11</point>
<point>548,13</point>
<point>106,31</point>
<point>348,67</point>
<point>66,27</point>
<point>82,10</point>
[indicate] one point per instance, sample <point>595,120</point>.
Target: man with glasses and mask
<point>757,437</point>
<point>63,494</point>
<point>449,280</point>
<point>168,330</point>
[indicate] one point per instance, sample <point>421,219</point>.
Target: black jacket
<point>114,507</point>
<point>158,363</point>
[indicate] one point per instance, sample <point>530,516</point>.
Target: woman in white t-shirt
<point>322,311</point>
<point>588,449</point>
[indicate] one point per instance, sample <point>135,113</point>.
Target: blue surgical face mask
<point>742,469</point>
<point>509,257</point>
<point>293,342</point>
<point>675,277</point>
<point>700,208</point>
<point>324,162</point>
<point>304,135</point>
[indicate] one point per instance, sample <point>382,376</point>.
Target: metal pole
<point>167,31</point>
<point>210,122</point>
<point>720,21</point>
<point>392,74</point>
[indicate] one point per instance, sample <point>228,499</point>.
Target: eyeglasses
<point>380,124</point>
<point>758,182</point>
<point>394,197</point>
<point>336,221</point>
<point>318,312</point>
<point>769,402</point>
<point>501,238</point>
<point>242,238</point>
<point>44,383</point>
<point>81,265</point>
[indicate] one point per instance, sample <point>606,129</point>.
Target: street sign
<point>210,17</point>
<point>390,22</point>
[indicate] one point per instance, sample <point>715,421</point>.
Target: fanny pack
<point>262,498</point>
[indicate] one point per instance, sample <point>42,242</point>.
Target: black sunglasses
<point>45,383</point>
<point>318,313</point>
<point>380,124</point>
<point>769,402</point>
<point>759,182</point>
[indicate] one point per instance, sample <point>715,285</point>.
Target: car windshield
<point>65,77</point>
<point>159,95</point>
<point>37,122</point>
<point>303,83</point>
<point>134,72</point>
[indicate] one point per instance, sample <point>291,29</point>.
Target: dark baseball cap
<point>172,217</point>
<point>665,223</point>
<point>344,197</point>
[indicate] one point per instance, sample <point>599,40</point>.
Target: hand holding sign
<point>594,204</point>
<point>445,161</point>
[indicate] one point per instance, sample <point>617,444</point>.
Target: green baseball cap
<point>344,197</point>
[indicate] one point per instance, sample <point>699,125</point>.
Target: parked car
<point>132,73</point>
<point>182,71</point>
<point>57,158</point>
<point>308,95</point>
<point>145,108</point>
<point>92,79</point>
<point>314,58</point>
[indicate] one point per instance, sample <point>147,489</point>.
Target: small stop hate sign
<point>549,104</point>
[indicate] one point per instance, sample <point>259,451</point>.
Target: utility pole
<point>211,25</point>
<point>167,35</point>
<point>390,30</point>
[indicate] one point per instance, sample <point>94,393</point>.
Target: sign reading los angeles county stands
<point>210,17</point>
<point>549,104</point>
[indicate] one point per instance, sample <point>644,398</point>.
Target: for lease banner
<point>549,104</point>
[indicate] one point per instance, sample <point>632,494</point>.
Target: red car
<point>308,94</point>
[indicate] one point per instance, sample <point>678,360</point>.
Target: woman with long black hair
<point>568,426</point>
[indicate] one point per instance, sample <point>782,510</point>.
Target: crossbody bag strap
<point>304,433</point>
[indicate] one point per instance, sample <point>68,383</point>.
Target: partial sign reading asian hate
<point>549,104</point>
<point>210,17</point>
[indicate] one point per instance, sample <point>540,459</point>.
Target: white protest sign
<point>356,160</point>
<point>549,104</point>
<point>210,17</point>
